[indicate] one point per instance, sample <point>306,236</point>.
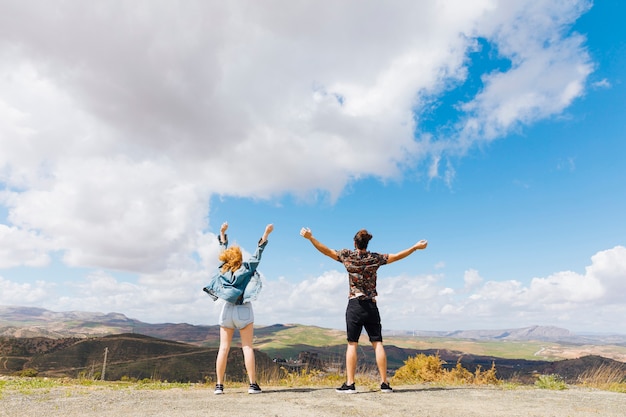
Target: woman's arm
<point>223,238</point>
<point>403,254</point>
<point>268,229</point>
<point>253,262</point>
<point>306,233</point>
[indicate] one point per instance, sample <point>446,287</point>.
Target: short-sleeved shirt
<point>361,269</point>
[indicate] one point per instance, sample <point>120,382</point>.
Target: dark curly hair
<point>362,238</point>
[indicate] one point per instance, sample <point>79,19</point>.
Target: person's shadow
<point>303,389</point>
<point>423,389</point>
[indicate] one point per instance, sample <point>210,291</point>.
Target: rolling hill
<point>73,343</point>
<point>121,356</point>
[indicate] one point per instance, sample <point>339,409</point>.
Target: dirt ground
<point>415,400</point>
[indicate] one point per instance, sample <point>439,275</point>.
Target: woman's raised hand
<point>268,229</point>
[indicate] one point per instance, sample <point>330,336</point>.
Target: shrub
<point>422,368</point>
<point>29,373</point>
<point>552,381</point>
<point>486,377</point>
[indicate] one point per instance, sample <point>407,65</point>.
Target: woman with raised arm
<point>236,284</point>
<point>362,310</point>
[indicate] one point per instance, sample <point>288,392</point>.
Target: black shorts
<point>363,313</point>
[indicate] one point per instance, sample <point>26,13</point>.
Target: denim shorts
<point>236,316</point>
<point>363,313</point>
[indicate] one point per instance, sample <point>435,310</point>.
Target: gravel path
<point>417,400</point>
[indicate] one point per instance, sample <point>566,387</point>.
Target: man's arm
<point>306,233</point>
<point>403,254</point>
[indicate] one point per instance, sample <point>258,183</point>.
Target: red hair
<point>231,258</point>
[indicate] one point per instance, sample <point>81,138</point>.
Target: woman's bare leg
<point>247,336</point>
<point>226,337</point>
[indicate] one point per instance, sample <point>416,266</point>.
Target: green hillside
<point>288,340</point>
<point>502,349</point>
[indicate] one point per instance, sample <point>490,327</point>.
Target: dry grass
<point>422,368</point>
<point>416,370</point>
<point>609,378</point>
<point>308,377</point>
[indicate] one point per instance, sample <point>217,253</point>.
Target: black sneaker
<point>254,389</point>
<point>385,387</point>
<point>347,389</point>
<point>219,389</point>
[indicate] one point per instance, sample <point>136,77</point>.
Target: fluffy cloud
<point>548,70</point>
<point>27,293</point>
<point>19,247</point>
<point>119,120</point>
<point>113,213</point>
<point>575,301</point>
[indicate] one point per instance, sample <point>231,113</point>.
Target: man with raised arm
<point>362,310</point>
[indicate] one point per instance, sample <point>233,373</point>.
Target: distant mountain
<point>18,321</point>
<point>540,333</point>
<point>38,322</point>
<point>73,344</point>
<point>527,333</point>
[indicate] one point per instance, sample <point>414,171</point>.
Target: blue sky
<point>493,130</point>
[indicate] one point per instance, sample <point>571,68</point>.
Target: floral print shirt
<point>361,269</point>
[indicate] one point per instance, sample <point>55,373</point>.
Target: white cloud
<point>609,268</point>
<point>26,293</point>
<point>173,296</point>
<point>603,83</point>
<point>320,301</point>
<point>579,302</point>
<point>114,213</point>
<point>119,120</point>
<point>576,301</point>
<point>549,68</point>
<point>472,279</point>
<point>19,247</point>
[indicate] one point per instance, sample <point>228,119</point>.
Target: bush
<point>553,381</point>
<point>459,375</point>
<point>29,373</point>
<point>486,377</point>
<point>422,368</point>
